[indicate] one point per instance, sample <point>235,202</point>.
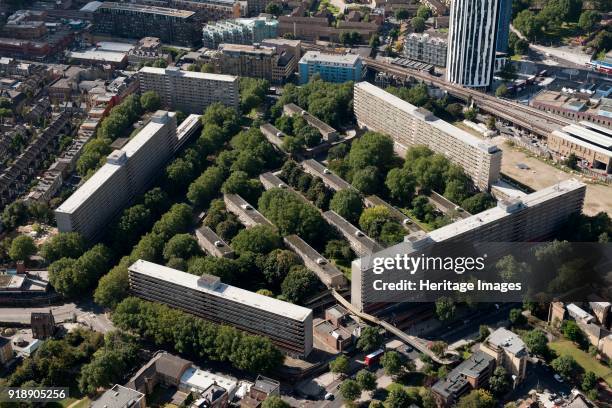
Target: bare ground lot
<point>541,175</point>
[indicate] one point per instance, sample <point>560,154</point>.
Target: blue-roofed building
<point>331,67</point>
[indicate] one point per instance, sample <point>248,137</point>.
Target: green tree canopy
<point>63,245</point>
<point>299,284</point>
<point>182,246</point>
<point>370,339</point>
<point>260,239</point>
<point>22,248</point>
<point>150,101</point>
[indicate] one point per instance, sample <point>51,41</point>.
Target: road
<point>85,312</point>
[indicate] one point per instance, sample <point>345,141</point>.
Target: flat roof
<point>241,296</point>
<point>171,12</point>
<point>590,135</point>
<point>114,46</point>
<point>105,172</point>
<point>329,58</point>
<point>320,170</point>
<point>273,179</point>
<point>497,213</point>
<point>433,120</point>
<point>349,229</point>
<point>313,255</point>
<point>118,397</point>
<point>506,339</point>
<point>189,74</point>
<point>580,142</point>
<point>250,49</point>
<point>92,184</point>
<point>202,380</point>
<point>97,55</point>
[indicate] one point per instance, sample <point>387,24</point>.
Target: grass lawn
<point>585,360</point>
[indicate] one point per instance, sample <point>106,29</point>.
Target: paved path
<point>417,343</point>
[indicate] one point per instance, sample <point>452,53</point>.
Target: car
<point>329,396</point>
<point>409,349</point>
<point>558,378</point>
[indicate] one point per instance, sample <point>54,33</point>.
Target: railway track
<point>534,120</point>
<point>526,117</point>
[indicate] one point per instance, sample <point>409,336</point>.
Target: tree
<point>340,365</point>
<point>418,24</point>
<point>372,149</point>
<point>373,219</point>
<point>477,398</point>
<point>14,214</point>
<point>277,265</point>
<point>391,362</point>
<point>182,246</point>
<point>589,381</point>
<point>401,184</point>
<point>131,225</point>
<point>150,101</point>
<point>176,220</point>
<point>528,24</point>
<point>274,9</point>
<point>565,366</point>
<point>445,308</point>
<point>260,239</point>
<point>348,204</point>
<point>477,203</point>
<point>291,215</point>
<point>239,183</point>
<point>537,342</point>
<point>424,12</point>
<point>299,284</point>
<point>370,339</point>
<point>274,401</point>
<point>339,250</point>
<point>206,187</point>
<point>483,332</point>
<point>499,382</point>
<point>349,390</point>
<point>22,248</point>
<point>421,207</point>
<point>398,398</point>
<point>521,47</point>
<point>571,161</point>
<point>456,191</point>
<point>501,91</point>
<point>572,331</point>
<point>63,245</point>
<point>366,380</point>
<point>402,14</point>
<point>516,317</point>
<point>310,135</point>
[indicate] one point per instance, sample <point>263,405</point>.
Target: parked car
<point>558,378</point>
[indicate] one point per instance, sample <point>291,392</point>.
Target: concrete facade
<point>410,126</point>
<point>288,326</point>
<point>190,92</point>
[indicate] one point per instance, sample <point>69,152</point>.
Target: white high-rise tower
<point>471,42</point>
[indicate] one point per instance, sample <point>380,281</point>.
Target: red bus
<point>373,358</point>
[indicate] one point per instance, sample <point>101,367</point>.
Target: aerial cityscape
<point>306,203</point>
